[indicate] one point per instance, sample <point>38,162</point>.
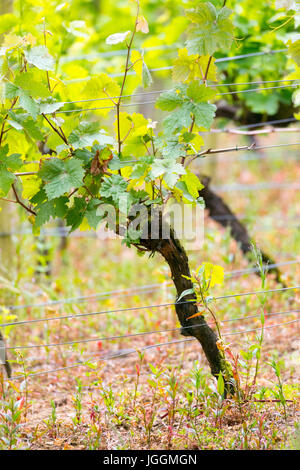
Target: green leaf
<point>32,83</point>
<point>11,91</point>
<point>55,208</point>
<point>76,213</point>
<point>50,107</point>
<point>113,187</point>
<point>40,58</point>
<point>117,163</point>
<point>211,30</point>
<point>169,169</point>
<point>184,293</point>
<point>169,100</point>
<point>220,384</point>
<point>27,103</point>
<point>177,120</point>
<point>259,103</point>
<point>8,164</point>
<point>6,180</point>
<point>204,114</point>
<point>192,183</point>
<point>23,122</point>
<point>294,50</point>
<point>91,213</point>
<point>61,176</point>
<point>200,93</point>
<point>170,147</point>
<point>87,134</point>
<point>139,171</point>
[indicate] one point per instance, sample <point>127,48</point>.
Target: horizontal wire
<point>133,291</point>
<point>256,186</point>
<point>64,233</point>
<point>252,126</point>
<point>144,348</point>
<point>257,89</point>
<point>266,130</point>
<point>145,333</point>
<point>203,153</point>
<point>83,298</point>
<point>145,93</point>
<point>219,60</point>
<point>267,267</point>
<point>250,90</point>
<point>266,123</point>
<point>123,52</point>
<point>127,309</point>
<point>248,148</point>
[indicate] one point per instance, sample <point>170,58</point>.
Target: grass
<point>162,398</point>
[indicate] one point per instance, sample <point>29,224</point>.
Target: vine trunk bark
<point>176,257</point>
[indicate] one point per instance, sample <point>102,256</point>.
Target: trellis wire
<point>201,154</point>
<point>127,309</point>
<point>247,148</point>
<point>86,234</point>
<point>132,291</point>
<point>267,123</point>
<point>144,348</point>
<point>162,47</point>
<point>250,90</point>
<point>153,92</point>
<point>219,60</point>
<point>267,267</point>
<point>64,232</point>
<point>145,333</point>
<point>256,186</point>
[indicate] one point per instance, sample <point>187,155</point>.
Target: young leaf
<point>220,384</point>
<point>184,293</point>
<point>146,76</point>
<point>211,29</point>
<point>142,25</point>
<point>40,58</point>
<point>117,38</point>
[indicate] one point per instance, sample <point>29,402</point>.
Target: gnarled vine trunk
<point>176,257</point>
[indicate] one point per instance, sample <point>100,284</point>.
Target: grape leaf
<point>40,58</point>
<point>169,169</point>
<point>113,187</point>
<point>76,213</point>
<point>169,100</point>
<point>86,134</point>
<point>117,38</point>
<point>8,164</point>
<point>61,176</point>
<point>55,208</point>
<point>200,93</point>
<point>146,76</point>
<point>211,29</point>
<point>294,50</point>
